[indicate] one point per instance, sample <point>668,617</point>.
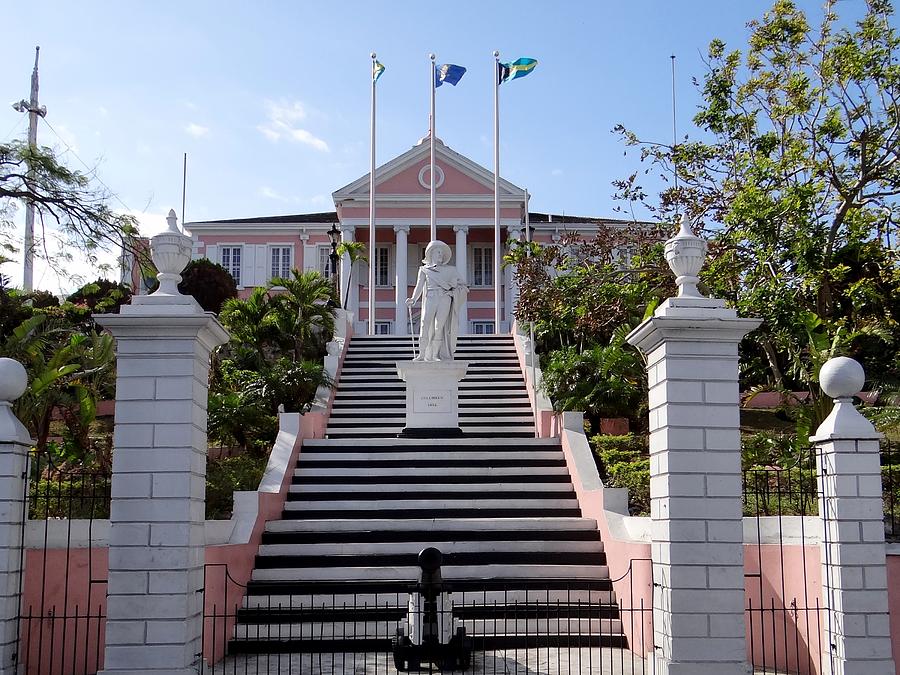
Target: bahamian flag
<point>377,70</point>
<point>449,73</point>
<point>516,69</point>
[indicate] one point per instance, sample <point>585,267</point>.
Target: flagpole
<point>431,170</point>
<point>372,213</point>
<point>496,191</point>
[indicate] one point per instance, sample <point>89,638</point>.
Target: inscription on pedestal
<point>433,401</point>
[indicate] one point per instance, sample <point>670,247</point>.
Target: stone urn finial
<point>171,252</point>
<point>685,253</point>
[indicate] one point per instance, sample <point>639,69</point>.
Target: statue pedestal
<point>432,397</point>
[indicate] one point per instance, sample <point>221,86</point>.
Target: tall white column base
<point>462,259</point>
<point>695,486</point>
<point>15,443</point>
<point>401,313</point>
<point>855,623</point>
<point>156,541</point>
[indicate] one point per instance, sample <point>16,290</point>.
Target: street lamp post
<point>334,235</point>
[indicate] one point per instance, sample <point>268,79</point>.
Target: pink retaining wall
<point>629,565</point>
<point>783,597</point>
<point>58,584</point>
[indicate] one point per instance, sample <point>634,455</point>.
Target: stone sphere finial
<point>686,253</point>
<point>842,377</point>
<point>171,252</point>
<point>13,380</point>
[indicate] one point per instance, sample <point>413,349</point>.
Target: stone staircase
<point>333,573</point>
<point>370,398</point>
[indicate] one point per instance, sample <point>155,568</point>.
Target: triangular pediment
<point>408,174</point>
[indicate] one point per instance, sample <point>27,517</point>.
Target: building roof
<point>553,218</point>
<point>324,217</point>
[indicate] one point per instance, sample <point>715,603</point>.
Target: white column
<point>511,295</point>
<point>856,625</point>
<point>462,269</point>
<point>15,442</point>
<point>691,344</point>
<point>347,279</point>
<point>401,315</point>
<point>156,541</point>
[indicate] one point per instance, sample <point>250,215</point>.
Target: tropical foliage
<point>794,175</point>
<point>274,358</point>
<point>583,298</point>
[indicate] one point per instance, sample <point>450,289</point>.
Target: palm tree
<point>302,314</point>
<point>67,371</point>
<point>357,251</point>
<point>250,323</point>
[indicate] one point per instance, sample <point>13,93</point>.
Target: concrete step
<point>471,419</point>
<point>437,488</point>
<point>386,627</point>
<point>446,547</point>
<point>434,524</point>
<point>474,473</point>
<point>463,600</point>
<point>406,574</point>
<point>436,503</point>
<point>471,454</point>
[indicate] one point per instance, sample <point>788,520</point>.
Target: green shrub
<point>624,462</point>
<point>76,497</point>
<point>224,476</point>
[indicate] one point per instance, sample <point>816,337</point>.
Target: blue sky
<point>271,99</point>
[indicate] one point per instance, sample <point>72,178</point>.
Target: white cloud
<point>196,130</point>
<point>556,172</point>
<point>283,117</point>
<point>103,111</point>
<point>269,193</point>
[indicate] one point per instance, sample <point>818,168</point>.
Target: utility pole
<point>34,110</point>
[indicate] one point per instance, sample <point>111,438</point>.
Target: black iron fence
<point>783,612</point>
<point>472,626</point>
<point>63,589</point>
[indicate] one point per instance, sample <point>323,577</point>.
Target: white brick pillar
<point>855,625</point>
<point>156,541</point>
<point>348,234</point>
<point>462,269</point>
<point>15,442</point>
<point>691,345</point>
<point>401,314</point>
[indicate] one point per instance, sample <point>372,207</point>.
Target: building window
<point>482,265</point>
<point>482,327</point>
<point>384,327</point>
<point>230,257</point>
<point>280,257</point>
<point>325,261</point>
<point>382,266</point>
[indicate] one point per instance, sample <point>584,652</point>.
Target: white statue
<point>442,293</point>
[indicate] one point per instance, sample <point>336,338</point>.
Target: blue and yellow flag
<point>377,70</point>
<point>449,73</point>
<point>516,69</point>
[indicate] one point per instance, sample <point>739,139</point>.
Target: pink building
<point>255,250</point>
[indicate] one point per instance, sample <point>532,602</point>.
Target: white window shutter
<point>248,277</point>
<point>212,254</point>
<point>263,266</point>
<point>310,258</point>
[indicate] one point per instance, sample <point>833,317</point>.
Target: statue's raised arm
<point>442,293</point>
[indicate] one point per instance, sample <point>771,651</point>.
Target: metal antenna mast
<point>674,136</point>
<point>34,111</point>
